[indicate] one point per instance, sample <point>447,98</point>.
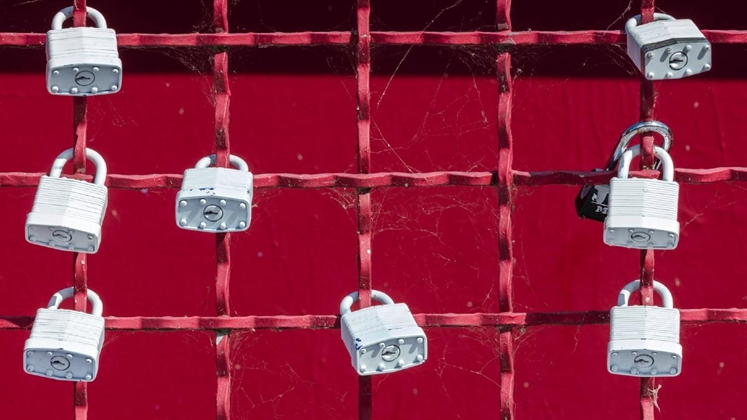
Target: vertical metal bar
<point>363,73</point>
<point>80,268</point>
<point>648,106</point>
<point>505,209</point>
<point>222,100</point>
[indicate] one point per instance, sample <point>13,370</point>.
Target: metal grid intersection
<point>505,179</point>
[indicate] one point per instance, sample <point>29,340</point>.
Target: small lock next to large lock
<point>644,339</point>
<point>215,199</point>
<point>381,339</point>
<point>643,212</point>
<point>65,345</point>
<point>82,61</point>
<point>68,213</point>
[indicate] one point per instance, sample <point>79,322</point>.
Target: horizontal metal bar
<point>396,179</point>
<point>377,37</point>
<point>509,319</point>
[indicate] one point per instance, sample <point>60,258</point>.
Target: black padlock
<point>592,200</point>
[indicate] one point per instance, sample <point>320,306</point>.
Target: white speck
<point>299,156</point>
<point>721,365</point>
<point>237,366</point>
<point>526,384</point>
<point>469,304</point>
<point>181,111</point>
<point>368,251</point>
<point>687,147</point>
<point>414,391</point>
<point>144,191</point>
<point>168,84</point>
<point>260,254</point>
<point>677,282</point>
<point>695,104</point>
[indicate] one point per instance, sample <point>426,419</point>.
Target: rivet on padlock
<point>215,199</point>
<point>381,339</point>
<point>643,212</point>
<point>68,213</point>
<point>667,48</point>
<point>592,200</point>
<point>64,344</point>
<point>644,340</point>
<point>82,61</point>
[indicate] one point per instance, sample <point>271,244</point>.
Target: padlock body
<point>85,59</point>
<point>678,49</point>
<point>642,214</point>
<point>383,339</point>
<point>215,200</point>
<point>64,345</point>
<point>644,341</point>
<point>67,215</point>
<point>592,202</point>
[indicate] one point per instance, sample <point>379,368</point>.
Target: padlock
<point>592,200</point>
<point>68,213</point>
<point>215,199</point>
<point>65,344</point>
<point>82,61</point>
<point>644,340</point>
<point>667,48</point>
<point>383,338</point>
<point>643,212</point>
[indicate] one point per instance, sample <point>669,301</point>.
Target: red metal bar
<point>648,106</point>
<point>80,268</point>
<point>363,93</point>
<point>505,212</point>
<point>399,179</point>
<point>222,101</point>
<point>315,322</point>
<point>137,40</point>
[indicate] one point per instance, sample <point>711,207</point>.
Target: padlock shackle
<point>636,20</point>
<point>67,13</point>
<point>666,295</point>
<point>638,128</point>
<point>667,174</point>
<point>236,161</point>
<point>376,295</point>
<point>91,154</point>
<point>97,308</point>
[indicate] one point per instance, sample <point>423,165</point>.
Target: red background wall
<point>294,110</point>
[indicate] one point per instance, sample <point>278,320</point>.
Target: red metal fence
<point>505,179</point>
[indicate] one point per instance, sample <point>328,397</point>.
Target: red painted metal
<point>363,94</point>
<point>505,211</point>
<point>398,179</point>
<point>505,180</point>
<point>376,38</point>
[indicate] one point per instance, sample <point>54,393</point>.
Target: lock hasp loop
<point>640,128</point>
<point>236,161</point>
<point>376,295</point>
<point>667,174</point>
<point>666,296</point>
<point>91,154</point>
<point>636,20</point>
<point>97,308</point>
<point>67,13</point>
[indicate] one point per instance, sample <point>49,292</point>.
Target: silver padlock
<point>667,48</point>
<point>592,200</point>
<point>215,199</point>
<point>382,339</point>
<point>64,344</point>
<point>644,340</point>
<point>82,61</point>
<point>642,213</point>
<point>68,213</point>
